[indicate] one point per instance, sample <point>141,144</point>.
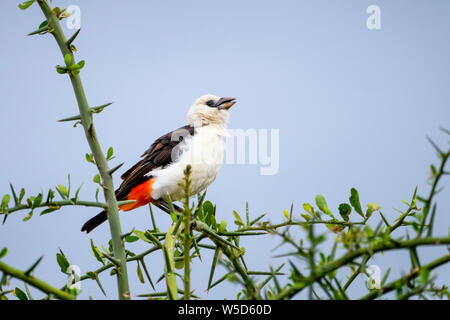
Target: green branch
<point>56,205</point>
<point>35,282</point>
<point>63,203</point>
<point>333,265</point>
<point>304,224</point>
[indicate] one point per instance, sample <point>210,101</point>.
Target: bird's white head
<point>210,110</point>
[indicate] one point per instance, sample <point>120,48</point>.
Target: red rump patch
<point>142,195</point>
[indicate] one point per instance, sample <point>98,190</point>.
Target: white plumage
<point>204,151</point>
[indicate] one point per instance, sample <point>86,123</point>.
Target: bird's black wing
<point>158,155</point>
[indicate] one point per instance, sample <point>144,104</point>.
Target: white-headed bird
<point>160,173</point>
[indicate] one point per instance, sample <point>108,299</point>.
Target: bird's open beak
<point>225,103</point>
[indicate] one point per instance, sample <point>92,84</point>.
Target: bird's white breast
<point>204,151</point>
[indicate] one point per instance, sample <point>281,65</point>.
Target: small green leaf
<point>4,280</point>
<point>81,64</point>
<point>3,252</point>
<point>61,71</point>
<point>110,153</point>
<point>20,294</point>
<point>414,200</point>
<point>141,235</point>
<point>49,210</point>
<point>130,238</point>
<point>336,228</point>
<point>62,262</point>
<point>308,208</point>
<point>307,217</point>
<point>24,5</point>
<point>286,214</point>
<point>322,205</point>
<point>37,201</point>
<point>179,264</point>
<point>90,158</point>
<point>139,273</point>
<point>433,170</point>
<point>5,201</point>
<point>209,211</point>
<point>208,208</point>
<point>344,210</point>
<point>22,194</point>
<point>43,24</point>
<point>67,59</point>
<point>354,201</point>
<point>63,191</point>
<point>57,11</point>
<point>371,207</point>
<point>28,216</point>
<point>74,66</point>
<point>96,179</point>
<point>222,226</point>
<point>50,195</point>
<point>238,220</point>
<point>97,253</point>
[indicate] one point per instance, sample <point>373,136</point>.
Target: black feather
<point>94,222</point>
<point>158,155</point>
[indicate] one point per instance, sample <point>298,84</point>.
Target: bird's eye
<point>210,103</point>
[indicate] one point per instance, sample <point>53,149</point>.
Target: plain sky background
<point>353,108</point>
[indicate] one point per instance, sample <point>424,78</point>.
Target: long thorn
<point>92,110</point>
<point>69,42</point>
<point>444,130</point>
<point>27,273</point>
<point>111,171</point>
<point>146,272</point>
<point>434,145</point>
<point>43,29</point>
<point>16,200</point>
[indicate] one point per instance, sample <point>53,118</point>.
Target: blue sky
<point>353,107</point>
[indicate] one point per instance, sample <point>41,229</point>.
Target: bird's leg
<point>164,206</point>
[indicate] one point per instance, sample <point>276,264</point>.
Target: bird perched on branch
<point>161,171</point>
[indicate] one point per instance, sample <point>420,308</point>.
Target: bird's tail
<point>94,222</point>
<point>141,193</point>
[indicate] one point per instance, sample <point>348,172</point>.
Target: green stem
<point>361,267</point>
<point>187,248</point>
<point>168,249</point>
<point>187,258</point>
<point>35,282</point>
<point>100,160</point>
<point>301,223</point>
<point>187,241</point>
<point>57,204</point>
